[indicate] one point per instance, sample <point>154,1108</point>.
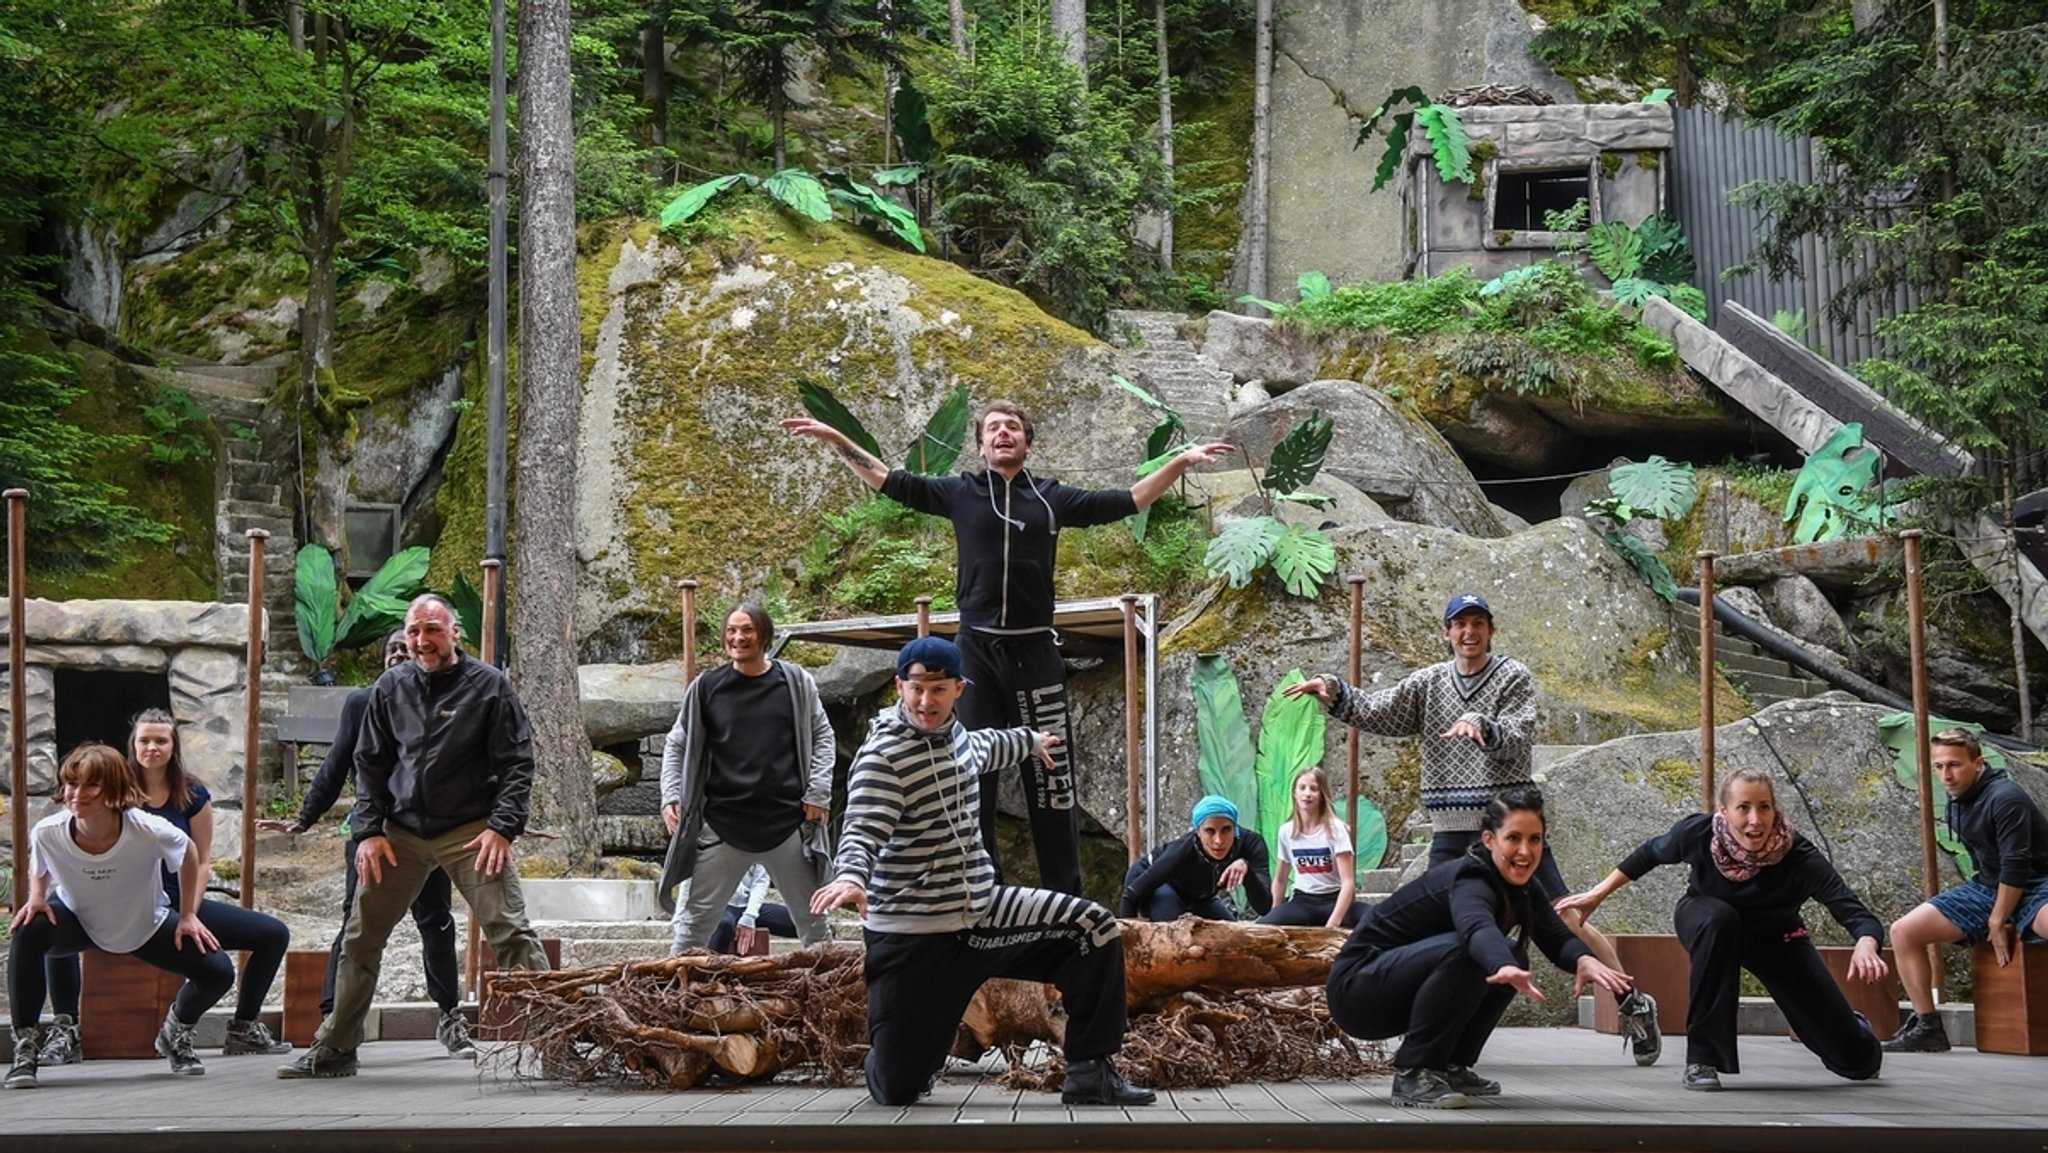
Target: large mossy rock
<point>1603,648</point>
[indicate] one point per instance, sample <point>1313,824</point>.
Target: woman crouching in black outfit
<point>1439,960</point>
<point>1750,874</point>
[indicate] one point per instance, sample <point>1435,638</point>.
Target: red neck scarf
<point>1738,862</point>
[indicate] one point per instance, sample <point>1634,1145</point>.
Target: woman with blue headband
<point>1196,873</point>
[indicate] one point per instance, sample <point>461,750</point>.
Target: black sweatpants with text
<point>1020,680</point>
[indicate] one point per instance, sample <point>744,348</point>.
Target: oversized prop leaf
<point>1656,486</point>
<point>1223,739</point>
<point>865,201</point>
<point>938,446</point>
<point>469,608</point>
<point>1646,563</point>
<point>1303,559</point>
<point>825,408</point>
<point>316,600</point>
<point>1897,733</point>
<point>693,199</point>
<point>1290,740</point>
<point>1397,132</point>
<point>1837,492</point>
<point>801,192</point>
<point>1241,548</point>
<point>1616,249</point>
<point>379,606</point>
<point>1370,836</point>
<point>1299,455</point>
<point>1447,142</point>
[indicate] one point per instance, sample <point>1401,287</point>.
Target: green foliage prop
<point>1290,739</point>
<point>1242,548</point>
<point>317,599</point>
<point>1167,438</point>
<point>823,406</point>
<point>806,195</point>
<point>469,608</point>
<point>1223,738</point>
<point>1655,486</point>
<point>375,609</point>
<point>933,452</point>
<point>1440,123</point>
<point>1897,732</point>
<point>1302,557</point>
<point>1837,493</point>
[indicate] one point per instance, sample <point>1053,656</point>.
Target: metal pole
<point>924,620</point>
<point>494,482</point>
<point>1916,636</point>
<point>689,631</point>
<point>1151,720</point>
<point>1133,766</point>
<point>1706,559</point>
<point>251,715</point>
<point>17,684</point>
<point>487,651</point>
<point>1357,669</point>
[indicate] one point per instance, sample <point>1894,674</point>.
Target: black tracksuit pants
<point>208,976</point>
<point>919,984</point>
<point>1721,946</point>
<point>1430,993</point>
<point>1020,680</point>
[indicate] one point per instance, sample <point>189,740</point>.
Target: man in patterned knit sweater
<point>936,923</point>
<point>1473,715</point>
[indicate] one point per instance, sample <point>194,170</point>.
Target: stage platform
<point>1564,1089</point>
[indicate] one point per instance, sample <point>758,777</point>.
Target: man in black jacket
<point>432,912</point>
<point>2006,902</point>
<point>1006,525</point>
<point>444,771</point>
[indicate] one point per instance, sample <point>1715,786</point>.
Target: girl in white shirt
<point>1316,847</point>
<point>95,881</point>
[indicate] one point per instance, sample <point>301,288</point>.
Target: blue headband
<point>1213,806</point>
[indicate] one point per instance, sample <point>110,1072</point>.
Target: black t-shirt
<point>754,781</point>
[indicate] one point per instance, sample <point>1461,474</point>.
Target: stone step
<point>1739,664</point>
<point>590,952</point>
<point>246,493</point>
<point>604,930</point>
<point>1379,881</point>
<point>199,385</point>
<point>1763,689</point>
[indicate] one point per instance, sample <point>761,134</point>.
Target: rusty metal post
<point>1134,763</point>
<point>689,632</point>
<point>1916,636</point>
<point>1356,671</point>
<point>252,713</point>
<point>1706,560</point>
<point>924,624</point>
<point>487,651</point>
<point>17,685</point>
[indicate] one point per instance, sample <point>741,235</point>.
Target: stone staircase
<point>1763,678</point>
<point>1152,354</point>
<point>254,492</point>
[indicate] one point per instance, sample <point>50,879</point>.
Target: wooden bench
<point>1662,968</point>
<point>1877,1001</point>
<point>305,973</point>
<point>2011,1001</point>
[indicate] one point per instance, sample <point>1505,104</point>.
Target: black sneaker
<point>252,1037</point>
<point>320,1061</point>
<point>1922,1033</point>
<point>453,1034</point>
<point>60,1041</point>
<point>1425,1089</point>
<point>27,1046</point>
<point>1701,1078</point>
<point>174,1041</point>
<point>1464,1080</point>
<point>1098,1083</point>
<point>1639,1027</point>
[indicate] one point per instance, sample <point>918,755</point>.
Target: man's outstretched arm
<point>872,472</point>
<point>1153,487</point>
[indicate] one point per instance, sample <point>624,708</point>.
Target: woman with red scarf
<point>1750,873</point>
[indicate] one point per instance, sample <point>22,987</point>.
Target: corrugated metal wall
<point>1712,157</point>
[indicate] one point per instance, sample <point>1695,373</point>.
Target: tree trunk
<point>1256,254</point>
<point>550,354</point>
<point>2016,596</point>
<point>1684,81</point>
<point>654,89</point>
<point>1070,30</point>
<point>1222,957</point>
<point>778,107</point>
<point>956,21</point>
<point>1165,135</point>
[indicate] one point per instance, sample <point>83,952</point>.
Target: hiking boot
<point>453,1034</point>
<point>174,1041</point>
<point>22,1074</point>
<point>1425,1089</point>
<point>1922,1033</point>
<point>319,1061</point>
<point>60,1041</point>
<point>1462,1079</point>
<point>252,1037</point>
<point>1098,1083</point>
<point>1701,1079</point>
<point>1639,1027</point>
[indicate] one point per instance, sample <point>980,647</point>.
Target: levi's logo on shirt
<point>1313,861</point>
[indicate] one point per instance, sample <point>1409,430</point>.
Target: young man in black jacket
<point>2006,902</point>
<point>1006,525</point>
<point>444,773</point>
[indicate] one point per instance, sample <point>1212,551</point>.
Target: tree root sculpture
<point>1212,1003</point>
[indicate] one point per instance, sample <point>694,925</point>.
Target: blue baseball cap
<point>1465,603</point>
<point>939,656</point>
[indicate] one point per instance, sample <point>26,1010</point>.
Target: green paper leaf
<point>380,605</point>
<point>693,199</point>
<point>1242,548</point>
<point>1615,248</point>
<point>1656,486</point>
<point>1290,740</point>
<point>316,601</point>
<point>901,176</point>
<point>865,201</point>
<point>1312,286</point>
<point>823,406</point>
<point>469,608</point>
<point>1658,96</point>
<point>1303,559</point>
<point>1447,140</point>
<point>1223,738</point>
<point>935,450</point>
<point>1645,562</point>
<point>800,192</point>
<point>1369,834</point>
<point>1299,455</point>
<point>913,124</point>
<point>1897,733</point>
<point>1837,493</point>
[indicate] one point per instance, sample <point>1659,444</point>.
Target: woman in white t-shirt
<point>96,881</point>
<point>1316,847</point>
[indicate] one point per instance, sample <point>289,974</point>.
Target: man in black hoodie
<point>444,771</point>
<point>2006,902</point>
<point>1006,525</point>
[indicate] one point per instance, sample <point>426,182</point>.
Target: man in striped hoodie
<point>936,923</point>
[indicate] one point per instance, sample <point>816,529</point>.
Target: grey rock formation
<point>1798,606</point>
<point>1253,348</point>
<point>1396,459</point>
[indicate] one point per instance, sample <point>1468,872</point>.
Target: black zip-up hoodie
<point>1007,532</point>
<point>1194,874</point>
<point>2004,830</point>
<point>440,750</point>
<point>1496,921</point>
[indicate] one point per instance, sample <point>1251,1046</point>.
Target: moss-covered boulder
<point>695,351</point>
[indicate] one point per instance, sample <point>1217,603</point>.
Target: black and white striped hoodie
<point>912,837</point>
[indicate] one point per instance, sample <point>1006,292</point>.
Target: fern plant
<point>1448,144</point>
<point>813,197</point>
<point>1302,557</point>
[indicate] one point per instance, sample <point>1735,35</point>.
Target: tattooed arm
<point>863,463</point>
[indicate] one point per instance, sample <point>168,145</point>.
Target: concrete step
<point>604,930</point>
<point>590,952</point>
<point>200,385</point>
<point>1379,881</point>
<point>1762,688</point>
<point>248,493</point>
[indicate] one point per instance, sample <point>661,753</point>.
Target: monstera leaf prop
<point>1243,548</point>
<point>1655,486</point>
<point>1370,837</point>
<point>1223,739</point>
<point>1897,733</point>
<point>1299,455</point>
<point>1837,491</point>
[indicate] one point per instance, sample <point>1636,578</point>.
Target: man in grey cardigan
<point>746,772</point>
